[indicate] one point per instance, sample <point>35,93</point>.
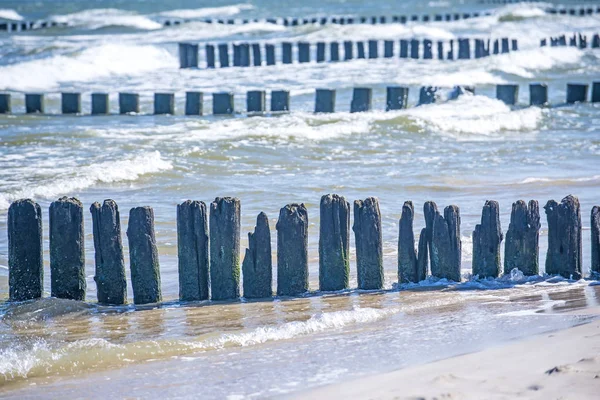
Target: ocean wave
<point>519,12</point>
<point>104,17</point>
<point>207,11</point>
<point>41,359</point>
<point>6,13</point>
<point>87,176</point>
<point>92,63</point>
<point>559,181</point>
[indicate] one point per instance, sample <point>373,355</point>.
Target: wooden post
<point>521,249</point>
<point>111,283</point>
<point>369,244</point>
<point>446,245</point>
<point>25,251</point>
<point>361,100</point>
<point>595,234</point>
<point>407,257</point>
<point>192,250</point>
<point>5,104</point>
<point>193,103</point>
<point>164,103</point>
<point>280,101</point>
<point>100,104</point>
<point>325,101</point>
<point>257,267</point>
<point>292,250</point>
<point>396,98</point>
<point>225,216</point>
<point>487,237</point>
<point>71,103</point>
<point>334,243</point>
<point>564,238</point>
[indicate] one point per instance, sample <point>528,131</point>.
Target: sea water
<point>459,152</point>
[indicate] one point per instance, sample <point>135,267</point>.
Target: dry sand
<point>558,365</point>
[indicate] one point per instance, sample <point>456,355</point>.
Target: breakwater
<point>325,100</point>
<point>208,243</point>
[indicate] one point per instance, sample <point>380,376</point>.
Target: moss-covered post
<point>564,238</point>
<point>67,249</point>
<point>292,250</point>
<point>257,268</point>
<point>192,250</point>
<point>407,257</point>
<point>446,245</point>
<point>522,249</point>
<point>25,251</point>
<point>143,256</point>
<point>111,283</point>
<point>334,243</point>
<point>487,237</point>
<point>369,244</point>
<point>225,217</point>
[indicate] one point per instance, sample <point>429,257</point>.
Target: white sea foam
<point>98,18</point>
<point>207,11</point>
<point>92,63</point>
<point>559,181</point>
<point>7,13</point>
<point>87,176</point>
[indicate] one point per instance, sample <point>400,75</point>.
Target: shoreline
<point>562,364</point>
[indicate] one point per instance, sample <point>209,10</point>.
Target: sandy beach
<point>557,365</point>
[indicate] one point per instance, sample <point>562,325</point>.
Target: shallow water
<point>460,152</point>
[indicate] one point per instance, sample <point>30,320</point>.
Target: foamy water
<point>462,152</point>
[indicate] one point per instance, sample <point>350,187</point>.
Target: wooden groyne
<point>209,254</point>
<point>257,54</point>
<point>261,102</point>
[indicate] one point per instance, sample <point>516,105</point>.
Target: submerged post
<point>25,251</point>
<point>538,94</point>
<point>388,48</point>
<point>427,95</point>
<point>414,49</point>
<point>111,283</point>
<point>348,50</point>
<point>71,103</point>
<point>210,55</point>
<point>223,55</point>
<point>100,103</point>
<point>407,256</point>
<point>5,105</point>
<point>292,250</point>
<point>334,243</point>
<point>256,101</point>
<point>270,52</point>
<point>334,51</point>
<point>256,55</point>
<point>403,48</point>
<point>192,250</point>
<point>464,49</point>
<point>369,244</point>
<point>522,239</point>
<point>595,228</point>
<point>576,93</point>
<point>446,245</point>
<point>487,237</point>
<point>361,100</point>
<point>193,103</point>
<point>396,98</point>
<point>509,94</point>
<point>143,256</point>
<point>286,52</point>
<point>280,101</point>
<point>360,50</point>
<point>257,267</point>
<point>129,103</point>
<point>427,49</point>
<point>596,92</point>
<point>325,101</point>
<point>67,249</point>
<point>223,103</point>
<point>225,217</point>
<point>320,52</point>
<point>164,103</point>
<point>303,52</point>
<point>373,49</point>
<point>564,238</point>
<point>34,103</point>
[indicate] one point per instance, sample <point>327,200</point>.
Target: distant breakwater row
<point>223,55</point>
<point>208,248</point>
<point>22,26</point>
<point>325,100</point>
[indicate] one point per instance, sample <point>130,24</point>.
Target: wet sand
<point>558,365</point>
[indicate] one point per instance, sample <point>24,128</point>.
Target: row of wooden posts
<point>209,253</point>
<point>325,100</point>
<point>577,40</point>
<point>265,54</point>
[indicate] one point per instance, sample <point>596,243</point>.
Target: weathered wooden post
<point>334,243</point>
<point>237,55</point>
<point>5,104</point>
<point>164,103</point>
<point>192,55</point>
<point>407,257</point>
<point>334,51</point>
<point>100,104</point>
<point>25,251</point>
<point>256,101</point>
<point>505,45</point>
<point>192,250</point>
<point>223,55</point>
<point>595,234</point>
<point>225,217</point>
<point>360,50</point>
<point>71,103</point>
<point>129,103</point>
<point>479,48</point>
<point>403,48</point>
<point>270,51</point>
<point>509,94</point>
<point>427,95</point>
<point>244,55</point>
<point>427,49</point>
<point>320,52</point>
<point>348,50</point>
<point>369,244</point>
<point>183,55</point>
<point>440,50</point>
<point>514,45</point>
<point>286,52</point>
<point>373,49</point>
<point>257,267</point>
<point>414,49</point>
<point>487,237</point>
<point>34,103</point>
<point>576,93</point>
<point>596,92</point>
<point>193,103</point>
<point>143,256</point>
<point>303,52</point>
<point>67,249</point>
<point>223,103</point>
<point>396,98</point>
<point>522,239</point>
<point>564,238</point>
<point>422,256</point>
<point>280,101</point>
<point>450,54</point>
<point>429,212</point>
<point>256,55</point>
<point>361,100</point>
<point>464,49</point>
<point>292,250</point>
<point>210,55</point>
<point>111,283</point>
<point>596,41</point>
<point>538,94</point>
<point>388,49</point>
<point>325,101</point>
<point>446,245</point>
